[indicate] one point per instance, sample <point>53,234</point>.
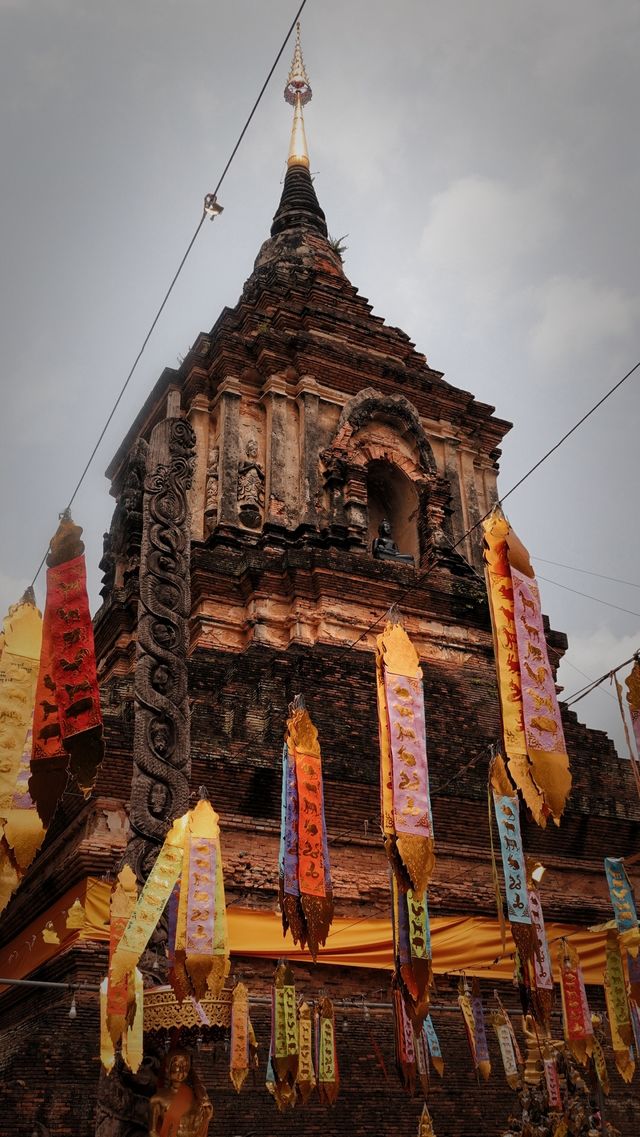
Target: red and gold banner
<point>532,728</point>
<point>326,1053</point>
<point>404,775</point>
<point>578,1028</point>
<point>306,898</point>
<point>67,727</point>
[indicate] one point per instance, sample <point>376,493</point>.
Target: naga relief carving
<point>250,487</point>
<point>160,785</point>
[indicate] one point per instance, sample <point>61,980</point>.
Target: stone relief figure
<point>384,547</point>
<point>180,1106</point>
<point>250,487</point>
<point>211,498</point>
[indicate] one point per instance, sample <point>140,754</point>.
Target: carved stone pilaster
<point>229,448</point>
<point>199,419</point>
<point>160,784</point>
<point>307,398</point>
<point>278,460</point>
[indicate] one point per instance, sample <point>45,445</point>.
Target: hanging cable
<point>205,214</point>
<point>586,595</point>
<point>586,572</point>
<point>584,691</point>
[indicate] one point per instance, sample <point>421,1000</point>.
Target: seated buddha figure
<point>384,547</point>
<point>180,1106</point>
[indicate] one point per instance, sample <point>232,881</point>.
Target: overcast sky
<point>483,160</point>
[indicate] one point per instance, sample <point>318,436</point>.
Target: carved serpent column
<point>161,749</point>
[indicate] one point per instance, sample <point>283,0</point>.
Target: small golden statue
<point>180,1106</point>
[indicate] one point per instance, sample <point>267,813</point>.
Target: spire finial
<point>297,93</point>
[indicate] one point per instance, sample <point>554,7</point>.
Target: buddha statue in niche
<point>384,547</point>
<point>180,1106</point>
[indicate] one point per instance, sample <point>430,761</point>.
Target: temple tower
<point>313,422</point>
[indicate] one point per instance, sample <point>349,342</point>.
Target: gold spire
<point>298,92</point>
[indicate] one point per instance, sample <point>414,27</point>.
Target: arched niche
<point>391,494</point>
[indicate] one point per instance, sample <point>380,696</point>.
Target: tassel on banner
<point>306,1076</point>
<point>67,725</point>
<point>531,723</point>
<point>405,803</point>
<point>306,897</point>
<point>326,1053</point>
<point>576,1016</point>
<point>284,1053</point>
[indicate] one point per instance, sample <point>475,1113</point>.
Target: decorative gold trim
<point>162,1011</point>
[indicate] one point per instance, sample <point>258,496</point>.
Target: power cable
<point>584,691</point>
<point>175,276</point>
<point>587,572</point>
<point>587,596</point>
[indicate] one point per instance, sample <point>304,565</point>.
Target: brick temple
<point>313,421</point>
